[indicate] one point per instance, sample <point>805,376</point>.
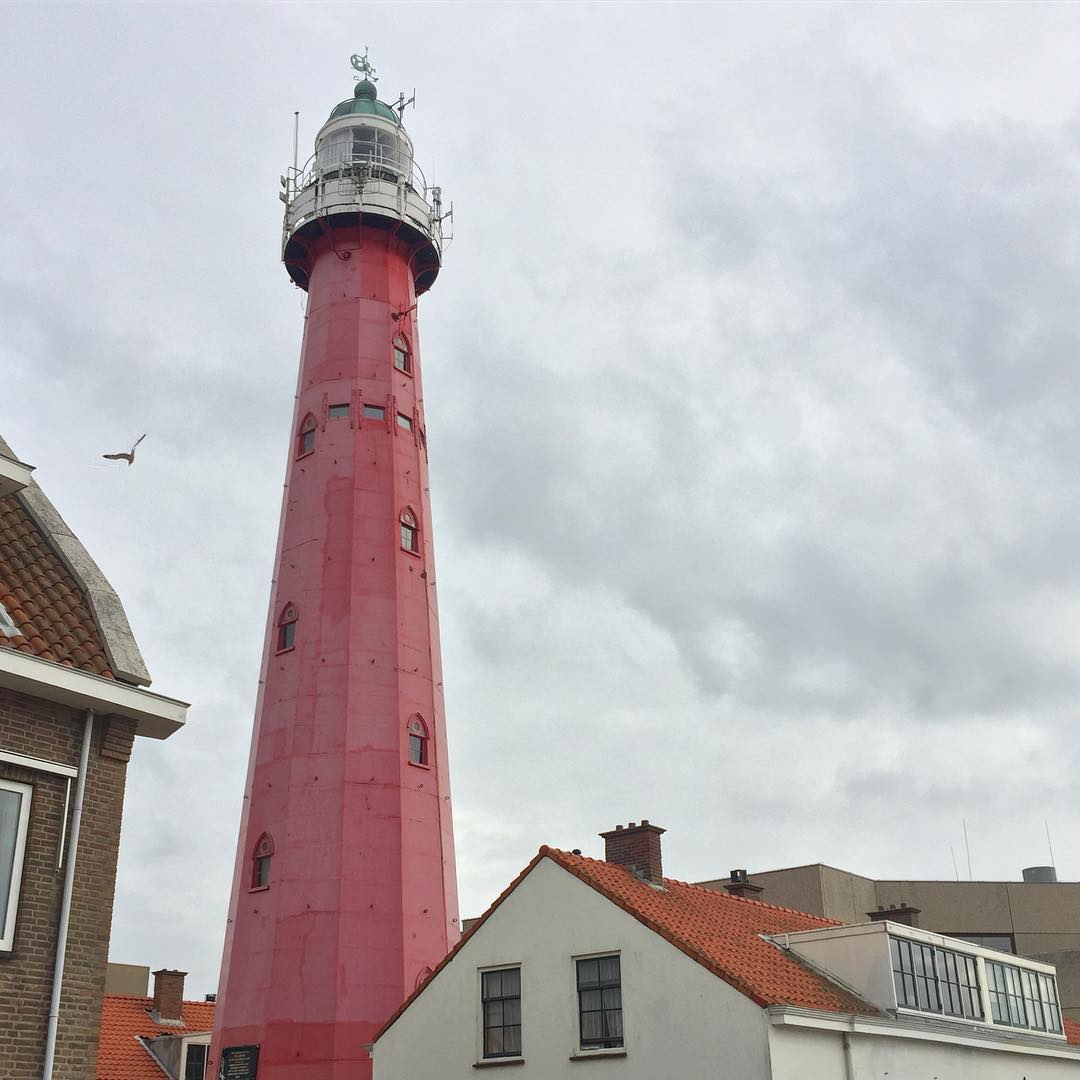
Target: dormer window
<point>287,628</point>
<point>260,862</point>
<point>8,626</point>
<point>402,355</point>
<point>907,970</point>
<point>305,437</point>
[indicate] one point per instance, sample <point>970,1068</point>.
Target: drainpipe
<point>65,903</point>
<point>849,1064</point>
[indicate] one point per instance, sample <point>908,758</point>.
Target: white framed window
<point>599,993</point>
<point>14,822</point>
<point>500,1012</point>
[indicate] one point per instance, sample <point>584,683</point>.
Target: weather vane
<point>363,65</point>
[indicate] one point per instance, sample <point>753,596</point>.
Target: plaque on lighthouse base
<point>239,1062</point>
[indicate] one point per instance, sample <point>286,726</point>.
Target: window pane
<point>493,1014</point>
<point>511,1011</point>
<point>493,1041</point>
<point>492,984</point>
<point>338,411</point>
<point>613,1023</point>
<point>609,969</point>
<point>591,1000</point>
<point>512,1039</point>
<point>374,412</point>
<point>511,982</point>
<point>10,807</point>
<point>591,1027</point>
<point>588,973</point>
<point>416,750</point>
<point>612,998</point>
<point>404,422</point>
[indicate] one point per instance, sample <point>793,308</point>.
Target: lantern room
<point>363,171</point>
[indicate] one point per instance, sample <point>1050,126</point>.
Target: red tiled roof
<point>720,931</point>
<point>43,599</point>
<point>120,1054</point>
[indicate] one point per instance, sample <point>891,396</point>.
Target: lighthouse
<point>344,891</point>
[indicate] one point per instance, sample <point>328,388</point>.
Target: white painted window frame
<point>9,905</point>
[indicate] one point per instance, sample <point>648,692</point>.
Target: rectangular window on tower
<point>374,412</point>
<point>336,412</point>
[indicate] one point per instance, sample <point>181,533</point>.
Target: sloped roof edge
<point>125,659</point>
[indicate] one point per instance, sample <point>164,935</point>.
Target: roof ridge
<point>703,889</point>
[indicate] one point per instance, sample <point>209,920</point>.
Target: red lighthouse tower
<point>344,892</point>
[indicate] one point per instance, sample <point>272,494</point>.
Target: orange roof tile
<point>43,599</point>
<point>123,1019</point>
<point>720,931</point>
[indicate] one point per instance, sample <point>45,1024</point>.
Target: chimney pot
<point>169,995</point>
<point>637,847</point>
<point>904,914</point>
<point>739,884</point>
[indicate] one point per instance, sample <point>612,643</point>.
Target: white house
<point>607,966</point>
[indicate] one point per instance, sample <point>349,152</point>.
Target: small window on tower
<point>287,628</point>
<point>374,412</point>
<point>305,439</point>
<point>404,421</point>
<point>336,412</point>
<point>410,534</point>
<point>402,355</point>
<point>418,742</point>
<point>260,861</point>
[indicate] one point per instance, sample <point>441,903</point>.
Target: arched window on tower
<point>410,532</point>
<point>260,861</point>
<point>418,742</point>
<point>286,627</point>
<point>402,354</point>
<point>305,437</point>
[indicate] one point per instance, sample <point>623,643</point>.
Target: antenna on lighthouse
<point>401,104</point>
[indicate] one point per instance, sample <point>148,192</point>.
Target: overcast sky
<point>751,384</point>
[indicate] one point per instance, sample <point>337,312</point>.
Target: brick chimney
<point>637,847</point>
<point>169,996</point>
<point>905,914</point>
<point>741,885</point>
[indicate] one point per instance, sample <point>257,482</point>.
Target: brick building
<point>73,699</point>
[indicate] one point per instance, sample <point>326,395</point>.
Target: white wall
<point>680,1020</point>
<point>808,1054</point>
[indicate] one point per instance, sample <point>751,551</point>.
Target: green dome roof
<point>364,101</point>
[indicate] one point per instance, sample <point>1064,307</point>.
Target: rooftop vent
<point>1043,875</point>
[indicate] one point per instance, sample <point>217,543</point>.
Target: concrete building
<point>345,894</point>
<point>148,1037</point>
<point>1038,917</point>
<point>611,967</point>
<point>73,700</point>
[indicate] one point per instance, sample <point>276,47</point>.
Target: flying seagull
<point>129,455</point>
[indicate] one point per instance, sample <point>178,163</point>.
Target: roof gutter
<point>155,715</point>
<point>14,474</point>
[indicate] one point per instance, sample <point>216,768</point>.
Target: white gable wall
<point>680,1020</point>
